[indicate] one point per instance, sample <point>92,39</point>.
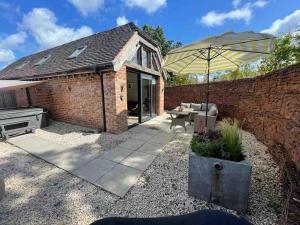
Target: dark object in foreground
<point>203,217</point>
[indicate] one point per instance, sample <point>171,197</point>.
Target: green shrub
<point>207,145</point>
<point>231,138</point>
<point>225,143</point>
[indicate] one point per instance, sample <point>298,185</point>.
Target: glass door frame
<point>153,94</point>
<point>148,78</point>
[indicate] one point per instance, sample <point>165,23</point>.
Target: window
<point>42,60</point>
<point>22,65</point>
<point>155,67</point>
<point>146,58</point>
<point>77,52</point>
<point>139,56</point>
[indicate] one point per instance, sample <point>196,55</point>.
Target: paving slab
<point>36,145</point>
<point>162,138</point>
<point>152,130</point>
<point>61,156</point>
<point>95,169</point>
<point>139,160</point>
<point>131,144</point>
<point>151,148</point>
<point>116,154</point>
<point>119,180</point>
<point>137,129</point>
<point>142,136</point>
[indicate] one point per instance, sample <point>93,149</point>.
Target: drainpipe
<point>28,97</point>
<point>103,98</point>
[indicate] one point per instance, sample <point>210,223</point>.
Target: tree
<point>286,52</point>
<point>182,79</point>
<point>244,71</point>
<point>158,35</point>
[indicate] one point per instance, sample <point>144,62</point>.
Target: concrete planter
<point>219,181</point>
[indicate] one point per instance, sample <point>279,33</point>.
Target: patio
<point>38,191</point>
<point>115,170</point>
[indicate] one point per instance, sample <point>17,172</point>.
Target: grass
<point>231,139</point>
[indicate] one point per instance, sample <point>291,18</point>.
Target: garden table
<point>180,117</point>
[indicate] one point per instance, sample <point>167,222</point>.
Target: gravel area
<point>80,137</point>
<point>39,193</point>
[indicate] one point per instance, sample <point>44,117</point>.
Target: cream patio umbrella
<point>224,52</point>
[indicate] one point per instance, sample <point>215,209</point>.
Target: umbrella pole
<point>207,91</point>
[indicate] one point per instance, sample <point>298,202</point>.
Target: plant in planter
<point>218,170</point>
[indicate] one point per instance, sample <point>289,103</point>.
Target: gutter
<point>79,70</point>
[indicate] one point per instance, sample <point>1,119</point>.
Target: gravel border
<point>39,193</point>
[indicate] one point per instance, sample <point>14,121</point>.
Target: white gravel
<point>39,193</point>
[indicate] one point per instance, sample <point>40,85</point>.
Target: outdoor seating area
<point>192,112</point>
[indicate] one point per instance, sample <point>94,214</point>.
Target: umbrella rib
<point>228,59</point>
<point>194,49</point>
<point>242,42</point>
<point>180,59</point>
<point>240,50</point>
<point>204,56</point>
<point>217,53</point>
<point>188,64</point>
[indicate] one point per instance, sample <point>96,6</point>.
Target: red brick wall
<point>115,92</point>
<point>77,99</point>
<point>269,106</point>
<point>72,99</point>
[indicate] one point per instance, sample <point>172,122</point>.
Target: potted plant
<point>219,172</point>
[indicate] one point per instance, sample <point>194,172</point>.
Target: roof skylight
<point>42,60</point>
<point>22,65</point>
<point>77,52</point>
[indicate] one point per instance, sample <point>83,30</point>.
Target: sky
<point>29,26</point>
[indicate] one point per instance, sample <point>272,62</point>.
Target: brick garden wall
<point>269,106</point>
<point>72,99</point>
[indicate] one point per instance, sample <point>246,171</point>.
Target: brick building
<point>108,81</point>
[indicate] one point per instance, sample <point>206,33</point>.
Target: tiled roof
<point>101,49</point>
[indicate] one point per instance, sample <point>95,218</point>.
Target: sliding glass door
<point>147,97</point>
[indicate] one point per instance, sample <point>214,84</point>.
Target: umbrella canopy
<point>225,52</point>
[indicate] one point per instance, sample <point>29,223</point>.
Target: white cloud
<point>121,20</point>
<point>213,18</point>
<point>13,41</point>
<point>87,6</point>
<point>282,26</point>
<point>6,56</point>
<point>8,44</point>
<point>150,6</point>
<point>236,3</point>
<point>244,13</point>
<point>42,24</point>
<point>260,3</point>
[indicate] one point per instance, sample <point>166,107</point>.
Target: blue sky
<point>33,25</point>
